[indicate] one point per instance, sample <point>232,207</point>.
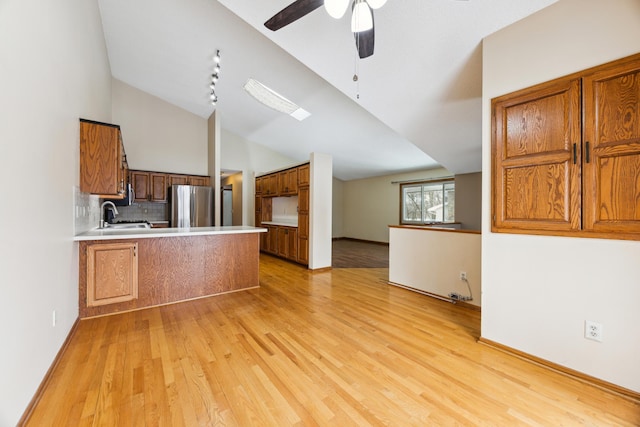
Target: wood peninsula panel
<point>172,269</point>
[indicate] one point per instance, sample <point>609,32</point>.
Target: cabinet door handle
<point>575,157</point>
<point>587,156</point>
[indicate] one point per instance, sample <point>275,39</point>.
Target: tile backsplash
<point>86,211</point>
<point>144,211</point>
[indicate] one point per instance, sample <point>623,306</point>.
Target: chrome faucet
<point>102,209</point>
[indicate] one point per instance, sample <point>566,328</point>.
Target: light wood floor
<point>336,348</point>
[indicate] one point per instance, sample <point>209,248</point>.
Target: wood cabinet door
<point>536,149</point>
<point>292,244</point>
<point>140,185</point>
<point>303,225</point>
<point>112,273</point>
<point>611,192</point>
<point>101,160</point>
<point>260,184</point>
<point>178,180</point>
<point>267,208</point>
<point>158,191</point>
<point>304,175</point>
<point>272,184</point>
<point>303,250</point>
<point>303,199</point>
<point>272,239</point>
<point>283,241</point>
<point>283,183</point>
<point>292,181</point>
<point>199,180</point>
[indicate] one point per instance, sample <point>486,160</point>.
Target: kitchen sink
<point>125,226</point>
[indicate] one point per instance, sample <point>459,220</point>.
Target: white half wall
<point>53,70</point>
<point>431,260</point>
<point>539,290</point>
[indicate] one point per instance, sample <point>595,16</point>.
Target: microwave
<point>129,196</point>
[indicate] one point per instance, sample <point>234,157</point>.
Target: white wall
<point>372,204</point>
<point>337,208</point>
<point>235,181</point>
<point>538,290</point>
<point>431,261</point>
<point>251,159</point>
<point>320,211</point>
<point>469,200</point>
<point>54,70</point>
<point>159,136</point>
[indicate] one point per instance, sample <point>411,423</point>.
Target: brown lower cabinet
<point>288,243</point>
<point>283,241</point>
<point>112,273</point>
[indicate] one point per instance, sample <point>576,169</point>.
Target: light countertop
<point>281,223</point>
<point>146,233</point>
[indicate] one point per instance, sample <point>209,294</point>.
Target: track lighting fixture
<point>214,78</point>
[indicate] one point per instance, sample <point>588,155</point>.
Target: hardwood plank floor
<point>348,253</point>
<point>335,348</point>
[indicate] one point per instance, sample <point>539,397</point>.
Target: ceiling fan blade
<point>291,13</point>
<point>365,41</point>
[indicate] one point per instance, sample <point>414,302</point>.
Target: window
<point>427,202</point>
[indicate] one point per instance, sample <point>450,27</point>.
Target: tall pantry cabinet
<point>286,241</point>
<point>566,155</point>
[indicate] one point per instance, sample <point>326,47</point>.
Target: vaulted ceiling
<point>416,105</point>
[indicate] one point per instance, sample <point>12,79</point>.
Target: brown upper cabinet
<point>149,186</point>
<point>288,182</point>
<point>566,155</point>
<point>283,183</point>
<point>303,175</point>
<point>103,162</point>
<point>199,180</point>
<point>181,179</point>
<point>155,186</point>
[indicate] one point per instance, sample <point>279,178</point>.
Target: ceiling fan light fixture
<point>376,4</point>
<point>336,8</point>
<point>361,18</point>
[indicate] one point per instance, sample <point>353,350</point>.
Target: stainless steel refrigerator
<point>191,206</point>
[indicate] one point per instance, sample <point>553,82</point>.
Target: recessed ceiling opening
<point>274,100</point>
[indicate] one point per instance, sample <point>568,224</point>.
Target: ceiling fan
<point>361,18</point>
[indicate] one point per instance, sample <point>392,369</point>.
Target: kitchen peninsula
<point>126,270</point>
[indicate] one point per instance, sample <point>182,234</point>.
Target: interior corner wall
<point>157,135</point>
<point>236,183</point>
<point>539,290</point>
<point>55,70</point>
<point>469,200</point>
<point>237,153</point>
<point>214,143</point>
<point>372,204</point>
<point>337,209</point>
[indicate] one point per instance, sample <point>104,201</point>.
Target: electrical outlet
<point>463,275</point>
<point>53,319</point>
<point>593,330</point>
